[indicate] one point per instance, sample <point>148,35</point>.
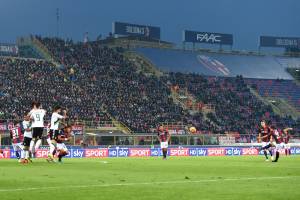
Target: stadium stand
<point>216,64</point>
<point>139,101</point>
<point>279,88</point>
<point>93,81</point>
<point>236,109</point>
<point>23,80</point>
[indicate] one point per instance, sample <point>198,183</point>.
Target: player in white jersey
<point>56,119</point>
<point>27,138</point>
<point>37,116</point>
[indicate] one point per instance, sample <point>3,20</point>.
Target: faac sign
<point>207,37</point>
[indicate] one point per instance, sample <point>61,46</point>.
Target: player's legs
<point>164,148</point>
<point>26,144</point>
<point>16,150</point>
<point>266,148</point>
<point>39,138</point>
<point>287,149</point>
<point>62,151</point>
<point>33,141</point>
<point>21,150</point>
<point>278,148</point>
<point>52,145</point>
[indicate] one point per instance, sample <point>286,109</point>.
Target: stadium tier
<point>217,64</point>
<point>285,89</point>
<point>90,79</point>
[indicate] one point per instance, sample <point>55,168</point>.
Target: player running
<point>264,138</point>
<point>163,137</point>
<point>27,138</point>
<point>37,115</point>
<point>17,136</point>
<point>277,142</point>
<point>54,129</point>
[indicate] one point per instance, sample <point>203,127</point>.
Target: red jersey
<point>16,135</point>
<point>265,131</point>
<point>163,135</point>
<point>278,136</point>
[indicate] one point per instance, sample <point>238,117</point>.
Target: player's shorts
<point>265,145</point>
<point>17,146</point>
<point>52,134</point>
<point>26,141</point>
<point>280,146</point>
<point>287,145</point>
<point>164,145</point>
<point>61,146</point>
<point>37,132</point>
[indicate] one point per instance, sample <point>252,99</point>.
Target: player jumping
<point>163,137</point>
<point>37,116</point>
<point>277,142</point>
<point>27,138</point>
<point>54,130</point>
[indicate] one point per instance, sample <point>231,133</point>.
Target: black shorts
<point>267,147</point>
<point>52,134</point>
<point>26,141</point>
<point>37,132</point>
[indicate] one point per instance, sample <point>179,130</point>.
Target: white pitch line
<point>149,183</point>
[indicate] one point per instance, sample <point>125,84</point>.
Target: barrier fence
<point>100,152</point>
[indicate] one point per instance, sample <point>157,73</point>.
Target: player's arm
<point>11,134</point>
<point>286,130</point>
<point>168,137</point>
<point>265,136</point>
<point>158,137</point>
<point>64,114</point>
<point>259,137</point>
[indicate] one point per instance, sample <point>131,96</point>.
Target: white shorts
<point>164,145</point>
<point>61,146</point>
<point>287,146</point>
<point>18,146</point>
<point>264,144</point>
<point>280,146</point>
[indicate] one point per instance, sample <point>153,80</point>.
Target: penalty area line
<point>150,183</point>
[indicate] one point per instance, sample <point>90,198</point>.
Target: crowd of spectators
<point>141,102</point>
<point>236,108</point>
<point>23,80</point>
<point>93,79</point>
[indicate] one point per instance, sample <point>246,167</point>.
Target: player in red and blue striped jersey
<point>17,137</point>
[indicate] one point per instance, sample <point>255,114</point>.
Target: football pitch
<point>240,177</point>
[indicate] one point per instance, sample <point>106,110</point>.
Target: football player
<point>286,141</point>
<point>27,138</point>
<point>277,142</point>
<point>37,115</point>
<point>17,136</point>
<point>164,138</point>
<point>54,129</point>
<point>264,138</point>
<point>63,135</point>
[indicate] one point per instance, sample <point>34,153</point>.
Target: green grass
<point>152,178</point>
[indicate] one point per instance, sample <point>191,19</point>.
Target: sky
<point>245,19</point>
